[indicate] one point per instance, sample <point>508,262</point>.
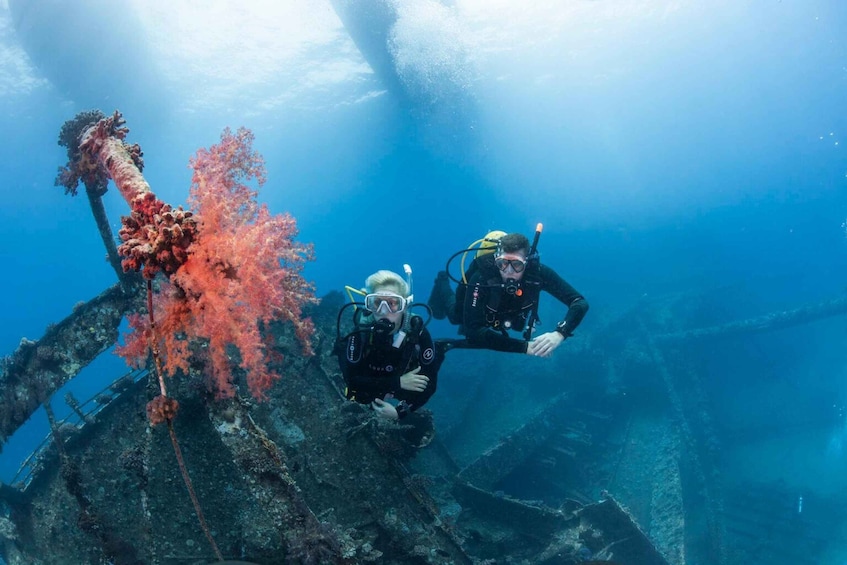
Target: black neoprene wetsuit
<point>372,365</point>
<point>489,310</point>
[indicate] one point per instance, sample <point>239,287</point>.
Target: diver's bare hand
<point>384,409</point>
<point>413,381</point>
<point>545,344</point>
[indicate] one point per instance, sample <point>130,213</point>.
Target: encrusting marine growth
<point>228,267</point>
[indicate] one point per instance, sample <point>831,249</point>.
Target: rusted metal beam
<point>513,450</point>
<point>37,369</point>
<point>773,321</point>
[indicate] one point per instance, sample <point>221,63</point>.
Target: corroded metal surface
<point>39,368</point>
<point>305,477</point>
<point>769,322</point>
<point>493,465</point>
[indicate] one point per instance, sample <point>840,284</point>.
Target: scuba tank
<point>481,247</point>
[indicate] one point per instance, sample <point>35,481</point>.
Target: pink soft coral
<point>242,270</point>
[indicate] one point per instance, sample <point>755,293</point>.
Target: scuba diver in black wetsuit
<point>389,360</point>
<point>500,292</point>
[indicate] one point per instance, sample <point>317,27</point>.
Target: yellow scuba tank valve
<point>483,246</point>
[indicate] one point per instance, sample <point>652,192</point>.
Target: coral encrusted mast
<point>228,267</point>
<point>226,270</point>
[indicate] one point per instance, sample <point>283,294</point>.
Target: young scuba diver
<point>389,361</point>
<point>500,292</point>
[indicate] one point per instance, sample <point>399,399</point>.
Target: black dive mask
<point>383,327</point>
<point>511,286</point>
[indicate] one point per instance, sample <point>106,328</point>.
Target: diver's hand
<point>545,344</point>
<point>384,409</point>
<point>413,381</point>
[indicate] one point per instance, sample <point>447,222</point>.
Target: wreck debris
<point>305,538</point>
<point>500,460</point>
<point>279,480</point>
<point>768,322</point>
<point>39,368</point>
<point>89,521</point>
<point>685,394</point>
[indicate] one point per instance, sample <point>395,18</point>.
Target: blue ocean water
<point>667,147</point>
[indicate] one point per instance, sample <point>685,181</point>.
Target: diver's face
<point>384,314</point>
<point>511,265</point>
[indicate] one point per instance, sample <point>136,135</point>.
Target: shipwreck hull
<point>305,477</point>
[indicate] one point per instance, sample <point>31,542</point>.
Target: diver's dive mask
<point>518,265</point>
<point>382,303</point>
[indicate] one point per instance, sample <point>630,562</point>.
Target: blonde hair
<point>382,279</point>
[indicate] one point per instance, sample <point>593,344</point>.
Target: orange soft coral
<point>242,269</point>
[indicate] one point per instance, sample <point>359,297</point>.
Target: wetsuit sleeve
<point>356,376</point>
<point>567,295</point>
<point>475,325</point>
<point>430,359</point>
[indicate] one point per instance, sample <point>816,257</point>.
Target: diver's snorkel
<point>408,270</point>
<point>533,250</point>
<point>536,259</point>
<point>413,323</point>
<point>409,299</point>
